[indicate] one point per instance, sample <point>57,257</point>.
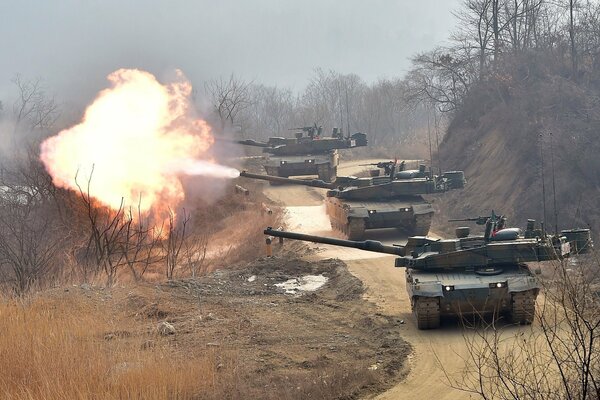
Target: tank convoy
<point>467,275</point>
<point>308,153</point>
<point>393,200</point>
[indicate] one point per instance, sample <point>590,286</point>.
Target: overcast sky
<point>74,44</point>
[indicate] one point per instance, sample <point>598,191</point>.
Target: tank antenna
<point>553,184</point>
<point>341,109</point>
<point>437,139</point>
<point>543,182</point>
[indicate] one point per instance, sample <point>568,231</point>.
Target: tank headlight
<point>283,162</point>
<point>497,285</point>
<point>310,161</point>
<point>407,209</point>
<point>372,211</point>
<point>448,288</point>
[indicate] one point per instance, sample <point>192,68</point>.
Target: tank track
<point>421,225</point>
<point>355,229</point>
<point>326,172</point>
<point>523,307</point>
<point>427,312</point>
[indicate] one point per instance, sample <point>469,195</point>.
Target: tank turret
<point>278,146</point>
<point>355,205</point>
<point>467,275</point>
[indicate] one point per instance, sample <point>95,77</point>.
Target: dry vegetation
<point>499,142</point>
<point>518,84</point>
<point>57,348</point>
<point>233,338</point>
<point>50,236</point>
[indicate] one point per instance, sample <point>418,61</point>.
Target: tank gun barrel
<point>313,182</point>
<point>252,142</point>
<point>477,220</point>
<point>246,142</point>
<point>305,128</point>
<point>378,164</point>
<point>367,245</point>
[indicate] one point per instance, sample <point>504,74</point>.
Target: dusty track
<point>387,290</point>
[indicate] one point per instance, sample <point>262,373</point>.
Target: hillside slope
<point>504,129</point>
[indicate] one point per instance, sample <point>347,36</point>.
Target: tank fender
<point>431,289</point>
<point>521,284</point>
<point>358,212</point>
<point>420,209</point>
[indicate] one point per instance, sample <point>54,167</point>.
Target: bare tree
<point>271,111</point>
<point>195,252</point>
<point>229,97</point>
<point>571,6</point>
<point>140,243</point>
<point>33,109</point>
<point>32,224</point>
<point>30,240</point>
<point>176,237</point>
<point>106,229</point>
<point>442,77</point>
<point>475,30</point>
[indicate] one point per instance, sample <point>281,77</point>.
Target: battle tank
<point>355,205</point>
<point>306,155</point>
<point>469,275</point>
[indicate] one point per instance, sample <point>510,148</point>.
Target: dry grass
<point>102,344</point>
<point>52,350</point>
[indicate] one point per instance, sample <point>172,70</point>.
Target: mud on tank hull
<point>411,214</point>
<point>511,293</point>
<point>322,165</point>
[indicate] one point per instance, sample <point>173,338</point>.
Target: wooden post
<point>265,209</point>
<point>269,248</point>
<point>242,190</point>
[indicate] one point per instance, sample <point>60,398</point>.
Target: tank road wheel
<point>523,307</point>
<point>325,172</point>
<point>422,224</point>
<point>355,229</point>
<point>427,311</point>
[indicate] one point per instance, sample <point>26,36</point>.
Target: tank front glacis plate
<point>469,292</point>
<point>384,214</point>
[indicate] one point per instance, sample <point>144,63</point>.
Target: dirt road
<point>386,289</point>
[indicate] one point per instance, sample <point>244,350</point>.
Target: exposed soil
<point>329,343</point>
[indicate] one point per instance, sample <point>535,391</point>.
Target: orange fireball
<point>130,139</point>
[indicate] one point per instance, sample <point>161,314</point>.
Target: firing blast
<point>138,137</point>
